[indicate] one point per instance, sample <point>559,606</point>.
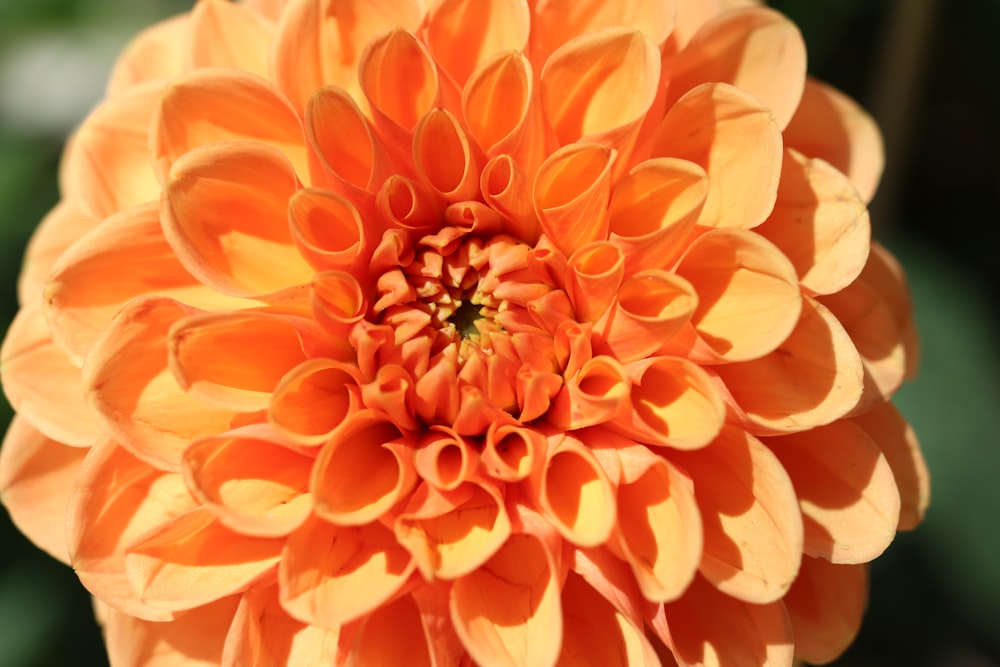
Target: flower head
<point>488,331</point>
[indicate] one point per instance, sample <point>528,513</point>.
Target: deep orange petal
<point>486,27</point>
<point>826,604</point>
<point>393,634</point>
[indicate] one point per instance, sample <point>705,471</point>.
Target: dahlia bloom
<point>492,332</point>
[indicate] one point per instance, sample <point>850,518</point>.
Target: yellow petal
<point>132,390</point>
<point>508,612</point>
<point>756,49</point>
<point>820,223</point>
<point>826,604</point>
<point>224,212</point>
<point>313,399</point>
<point>330,575</point>
<point>748,293</point>
<point>210,105</point>
<point>158,53</point>
<point>753,527</point>
<point>57,231</point>
<point>192,560</point>
<point>461,34</point>
<point>735,139</point>
<point>813,378</point>
<point>42,384</point>
<point>254,484</point>
<point>36,479</point>
<point>831,126</point>
<point>849,500</point>
<point>393,635</point>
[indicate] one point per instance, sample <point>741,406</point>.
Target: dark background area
<point>929,71</point>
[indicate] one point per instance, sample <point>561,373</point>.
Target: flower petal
<point>445,157</point>
<point>313,399</point>
<point>820,223</point>
<point>508,611</point>
<point>831,126</point>
<point>36,479</point>
<point>735,139</point>
<point>192,560</point>
<point>486,26</point>
<point>595,271</point>
<point>330,575</point>
<point>158,53</point>
<point>849,500</point>
<point>884,274</point>
<point>393,634</point>
<point>130,386</point>
<point>597,393</point>
<point>57,231</point>
<point>753,527</point>
<point>224,212</point>
<point>813,378</point>
<point>826,604</point>
<point>226,34</point>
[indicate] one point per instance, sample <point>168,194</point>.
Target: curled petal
<point>392,392</point>
<point>192,560</point>
<point>831,126</point>
<point>811,379</point>
<point>896,439</point>
<point>673,404</point>
<point>849,500</point>
<point>571,195</point>
<point>597,393</point>
<point>328,230</point>
<point>753,528</point>
<point>155,54</point>
<point>225,34</point>
<point>212,105</point>
<point>825,605</point>
<point>748,294</point>
<point>445,158</point>
<point>504,188</point>
<point>337,302</point>
<point>508,612</point>
<point>108,167</point>
<point>224,212</point>
<point>330,575</point>
<point>820,223</point>
<point>653,210</point>
<point>487,27</point>
<point>42,384</point>
<point>254,486</point>
<point>734,138</point>
<point>513,451</point>
<point>313,399</point>
<point>57,231</point>
<point>367,447</point>
<point>394,634</point>
<point>756,49</point>
<point>451,533</point>
<point>595,272</point>
<point>36,479</point>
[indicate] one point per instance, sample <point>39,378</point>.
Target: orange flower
<point>489,332</point>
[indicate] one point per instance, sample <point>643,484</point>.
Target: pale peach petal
<point>117,498</point>
<point>486,27</point>
<point>263,634</point>
<point>612,579</point>
<point>225,34</point>
<point>270,9</point>
<point>254,484</point>
<point>826,604</point>
<point>673,404</point>
<point>330,575</point>
<point>557,21</point>
<point>36,479</point>
<point>432,600</point>
<point>130,387</point>
<point>595,271</point>
<point>444,459</point>
<point>126,257</point>
<point>752,524</point>
<point>597,393</point>
<point>598,88</point>
<point>57,231</point>
<point>313,399</point>
<point>452,532</point>
<point>755,49</point>
<point>320,42</point>
<point>813,378</point>
<point>571,194</point>
<point>748,295</point>
<point>366,446</point>
<point>445,157</point>
<point>820,223</point>
<point>884,274</point>
<point>709,628</point>
<point>224,211</point>
<point>41,382</point>
<point>830,125</point>
<point>653,210</point>
<point>195,639</point>
<point>192,560</point>
<point>595,633</point>
<point>896,439</point>
<point>109,167</point>
<point>735,139</point>
<point>158,53</point>
<point>693,14</point>
<point>508,611</point>
<point>393,634</point>
<point>211,105</point>
<point>849,500</point>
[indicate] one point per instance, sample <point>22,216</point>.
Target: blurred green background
<point>929,71</point>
